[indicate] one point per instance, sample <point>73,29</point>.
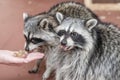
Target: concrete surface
<point>11,26</point>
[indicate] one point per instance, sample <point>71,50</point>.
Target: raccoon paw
<point>33,71</point>
<point>44,79</point>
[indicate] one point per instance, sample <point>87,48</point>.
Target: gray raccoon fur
<point>108,37</point>
<point>46,19</point>
<point>72,9</point>
<point>100,62</point>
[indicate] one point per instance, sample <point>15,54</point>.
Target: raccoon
<point>90,50</point>
<point>47,21</point>
<point>72,9</point>
<point>38,37</point>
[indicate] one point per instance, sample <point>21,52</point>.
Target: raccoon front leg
<point>47,72</point>
<point>58,75</point>
<point>35,69</point>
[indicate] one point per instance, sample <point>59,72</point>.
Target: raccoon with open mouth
<point>90,50</point>
<point>39,29</point>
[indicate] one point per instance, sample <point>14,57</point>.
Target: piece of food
<point>21,54</point>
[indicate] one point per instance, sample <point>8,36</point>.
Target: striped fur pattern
<point>46,22</point>
<point>98,61</point>
<point>72,9</point>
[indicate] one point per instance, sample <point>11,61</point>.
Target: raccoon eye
<point>51,28</point>
<point>36,40</point>
<point>61,32</point>
<point>74,34</point>
<point>77,38</point>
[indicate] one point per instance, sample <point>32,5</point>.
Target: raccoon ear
<point>25,16</point>
<point>91,24</point>
<point>44,23</point>
<point>59,17</point>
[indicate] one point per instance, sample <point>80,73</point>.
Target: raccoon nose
<point>64,42</point>
<point>27,49</point>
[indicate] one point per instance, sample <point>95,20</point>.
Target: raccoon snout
<point>27,49</point>
<point>64,42</point>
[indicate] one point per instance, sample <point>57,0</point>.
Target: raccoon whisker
<point>79,46</point>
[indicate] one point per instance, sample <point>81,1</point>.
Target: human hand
<point>8,57</point>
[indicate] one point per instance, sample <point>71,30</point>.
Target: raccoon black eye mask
<point>61,32</point>
<point>77,38</point>
<point>36,40</point>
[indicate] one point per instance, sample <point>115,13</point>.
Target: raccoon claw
<point>33,71</point>
<point>44,79</point>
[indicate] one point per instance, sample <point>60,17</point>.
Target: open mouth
<point>66,48</point>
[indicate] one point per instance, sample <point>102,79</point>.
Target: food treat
<point>21,54</point>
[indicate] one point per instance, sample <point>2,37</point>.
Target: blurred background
<point>11,29</point>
